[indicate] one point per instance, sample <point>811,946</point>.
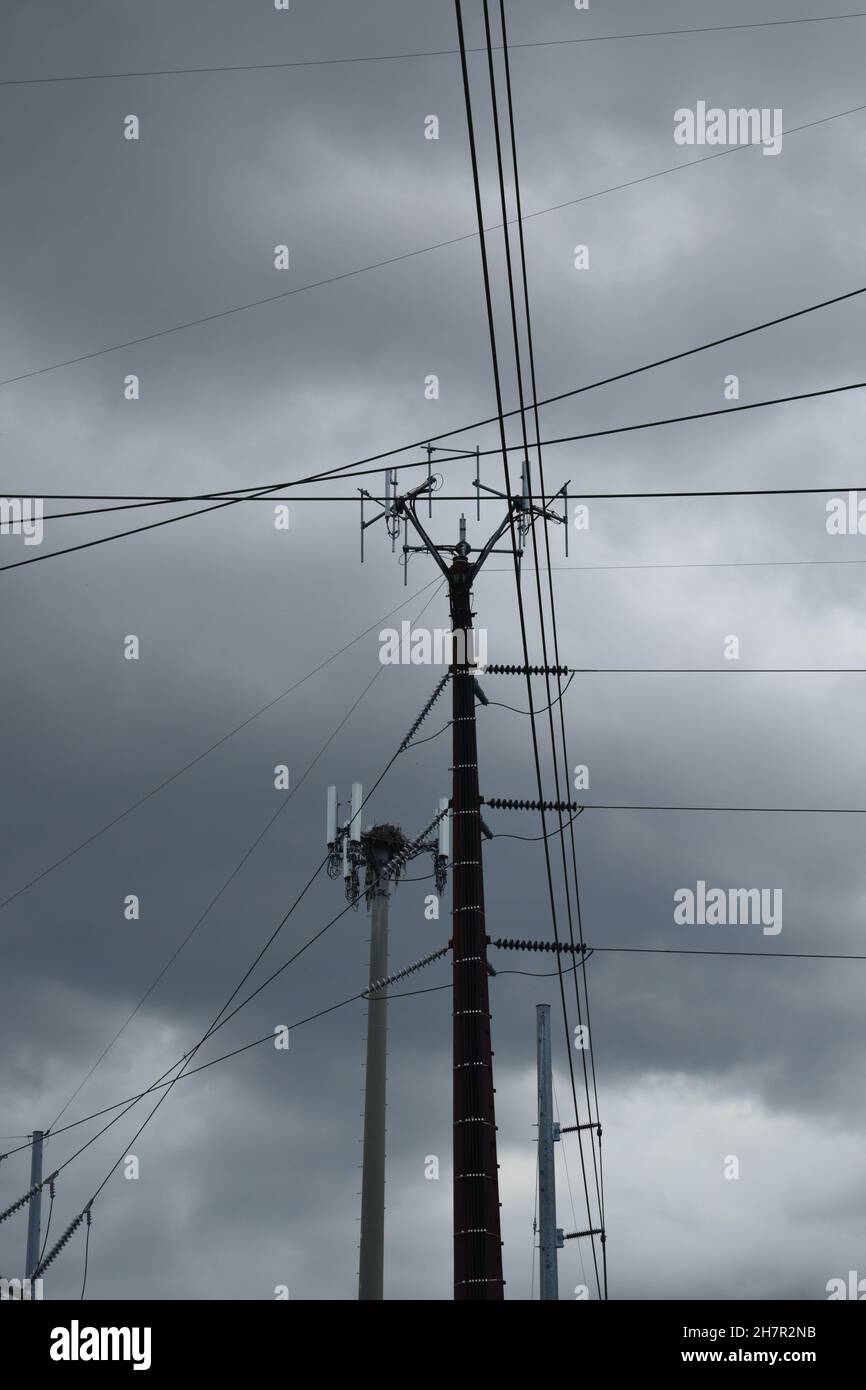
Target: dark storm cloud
<point>248,1173</point>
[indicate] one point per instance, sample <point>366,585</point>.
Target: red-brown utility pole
<point>477,1239</point>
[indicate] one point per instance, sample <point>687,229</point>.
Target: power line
<point>416,743</point>
<point>350,470</point>
<point>566,498</point>
<point>684,951</point>
<point>405,994</point>
<point>506,448</point>
<point>533,391</point>
<point>564,1152</point>
<point>86,1254</point>
<point>681,493</point>
<point>223,1021</point>
<point>477,1214</point>
<point>546,974</point>
<point>530,712</point>
<point>103,540</point>
<point>220,1019</point>
<point>685,164</point>
<point>691,670</point>
<point>188,1057</point>
<point>360,472</point>
<point>699,415</point>
<point>497,383</point>
<point>533,385</point>
<point>720,670</point>
<point>513,708</point>
<point>435,497</point>
<point>600,381</point>
<point>259,1042</point>
<point>130,506</point>
<point>394,260</point>
<point>284,802</point>
<point>51,1195</point>
<point>760,810</point>
<point>695,565</point>
<point>423,53</point>
<point>161,1084</point>
<point>311,941</point>
<point>211,749</point>
<point>503,835</point>
<point>236,870</point>
<point>616,429</point>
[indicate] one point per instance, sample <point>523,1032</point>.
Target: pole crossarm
<point>409,970</point>
<point>403,507</point>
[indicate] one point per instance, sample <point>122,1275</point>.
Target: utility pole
<point>34,1215</point>
<point>380,847</point>
<point>477,1238</point>
<point>384,851</point>
<point>549,1238</point>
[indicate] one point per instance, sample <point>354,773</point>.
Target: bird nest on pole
<point>380,846</point>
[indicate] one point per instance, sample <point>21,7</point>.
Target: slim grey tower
<point>548,1236</point>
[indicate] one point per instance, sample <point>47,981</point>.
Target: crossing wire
<point>227,1056</point>
<point>525,442</point>
<point>533,388</point>
<point>405,256</point>
<point>504,451</point>
<point>399,857</point>
<point>284,802</point>
<point>534,521</point>
<point>356,468</point>
<point>221,1018</point>
<point>501,420</point>
<point>120,535</point>
<point>525,447</point>
<point>405,994</point>
<point>440,497</point>
<point>51,1196</point>
<point>218,1022</point>
<point>86,1253</point>
<point>423,53</point>
<point>211,749</point>
<point>473,454</point>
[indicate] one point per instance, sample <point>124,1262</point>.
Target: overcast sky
<point>249,1173</point>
